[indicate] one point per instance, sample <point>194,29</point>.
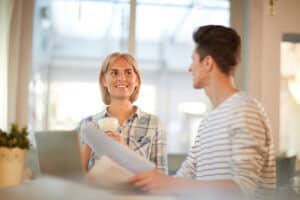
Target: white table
<point>51,188</point>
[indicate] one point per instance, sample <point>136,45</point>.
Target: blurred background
<point>51,51</point>
<point>71,38</point>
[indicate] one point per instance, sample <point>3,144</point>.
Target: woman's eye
<point>129,72</point>
<point>113,73</point>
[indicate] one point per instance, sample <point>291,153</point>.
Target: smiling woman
<point>120,83</point>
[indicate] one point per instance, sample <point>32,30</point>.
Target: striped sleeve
<point>188,167</point>
<point>249,148</point>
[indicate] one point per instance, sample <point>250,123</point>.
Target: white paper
<point>107,173</point>
<point>102,144</point>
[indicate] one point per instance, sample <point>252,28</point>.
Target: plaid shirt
<point>143,134</point>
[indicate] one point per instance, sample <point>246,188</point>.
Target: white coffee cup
<point>108,124</point>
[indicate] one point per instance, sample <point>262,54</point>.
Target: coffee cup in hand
<point>108,124</point>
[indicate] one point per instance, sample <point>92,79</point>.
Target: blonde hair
<point>108,61</point>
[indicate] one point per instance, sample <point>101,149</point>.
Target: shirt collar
<point>138,113</point>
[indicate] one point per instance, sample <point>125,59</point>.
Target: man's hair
<point>108,61</point>
<point>221,43</point>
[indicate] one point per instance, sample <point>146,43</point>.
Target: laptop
<point>59,154</point>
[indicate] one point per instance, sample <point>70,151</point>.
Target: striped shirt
<point>234,142</point>
<point>143,134</point>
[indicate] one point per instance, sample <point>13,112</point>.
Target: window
<point>73,37</point>
<point>164,47</point>
<point>69,102</point>
<point>290,95</point>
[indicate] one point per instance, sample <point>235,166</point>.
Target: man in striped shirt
<point>233,150</point>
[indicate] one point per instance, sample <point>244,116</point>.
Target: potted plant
<point>13,147</point>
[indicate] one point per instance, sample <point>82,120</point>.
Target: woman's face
<point>120,80</point>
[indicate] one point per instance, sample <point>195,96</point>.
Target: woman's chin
<point>121,97</point>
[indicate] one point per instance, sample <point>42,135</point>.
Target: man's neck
<point>220,89</point>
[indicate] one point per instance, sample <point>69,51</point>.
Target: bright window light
<point>4,26</point>
<point>294,87</point>
<point>71,102</point>
<point>194,108</point>
<point>147,96</point>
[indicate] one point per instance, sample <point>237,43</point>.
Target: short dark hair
<point>221,43</point>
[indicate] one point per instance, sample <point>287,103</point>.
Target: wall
<point>264,37</point>
<point>237,21</point>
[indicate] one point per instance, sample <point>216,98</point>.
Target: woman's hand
<point>116,136</point>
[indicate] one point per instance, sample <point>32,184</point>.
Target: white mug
<point>108,124</point>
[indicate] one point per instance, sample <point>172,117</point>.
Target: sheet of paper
<point>107,173</point>
<point>102,144</point>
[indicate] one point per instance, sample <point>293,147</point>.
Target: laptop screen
<point>59,154</point>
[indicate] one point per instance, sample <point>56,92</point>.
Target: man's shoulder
<point>248,111</point>
<point>247,104</point>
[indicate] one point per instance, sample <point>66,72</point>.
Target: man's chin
<point>197,86</point>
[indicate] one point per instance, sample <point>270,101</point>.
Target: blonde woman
<point>120,82</point>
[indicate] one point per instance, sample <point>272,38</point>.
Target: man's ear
<point>209,62</point>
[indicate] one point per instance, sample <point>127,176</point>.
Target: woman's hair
<point>108,61</point>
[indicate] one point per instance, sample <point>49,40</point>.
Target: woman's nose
<point>121,76</point>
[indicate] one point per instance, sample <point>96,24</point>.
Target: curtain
<point>5,18</point>
<point>19,61</point>
<point>16,19</point>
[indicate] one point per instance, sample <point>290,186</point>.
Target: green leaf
<point>15,137</point>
